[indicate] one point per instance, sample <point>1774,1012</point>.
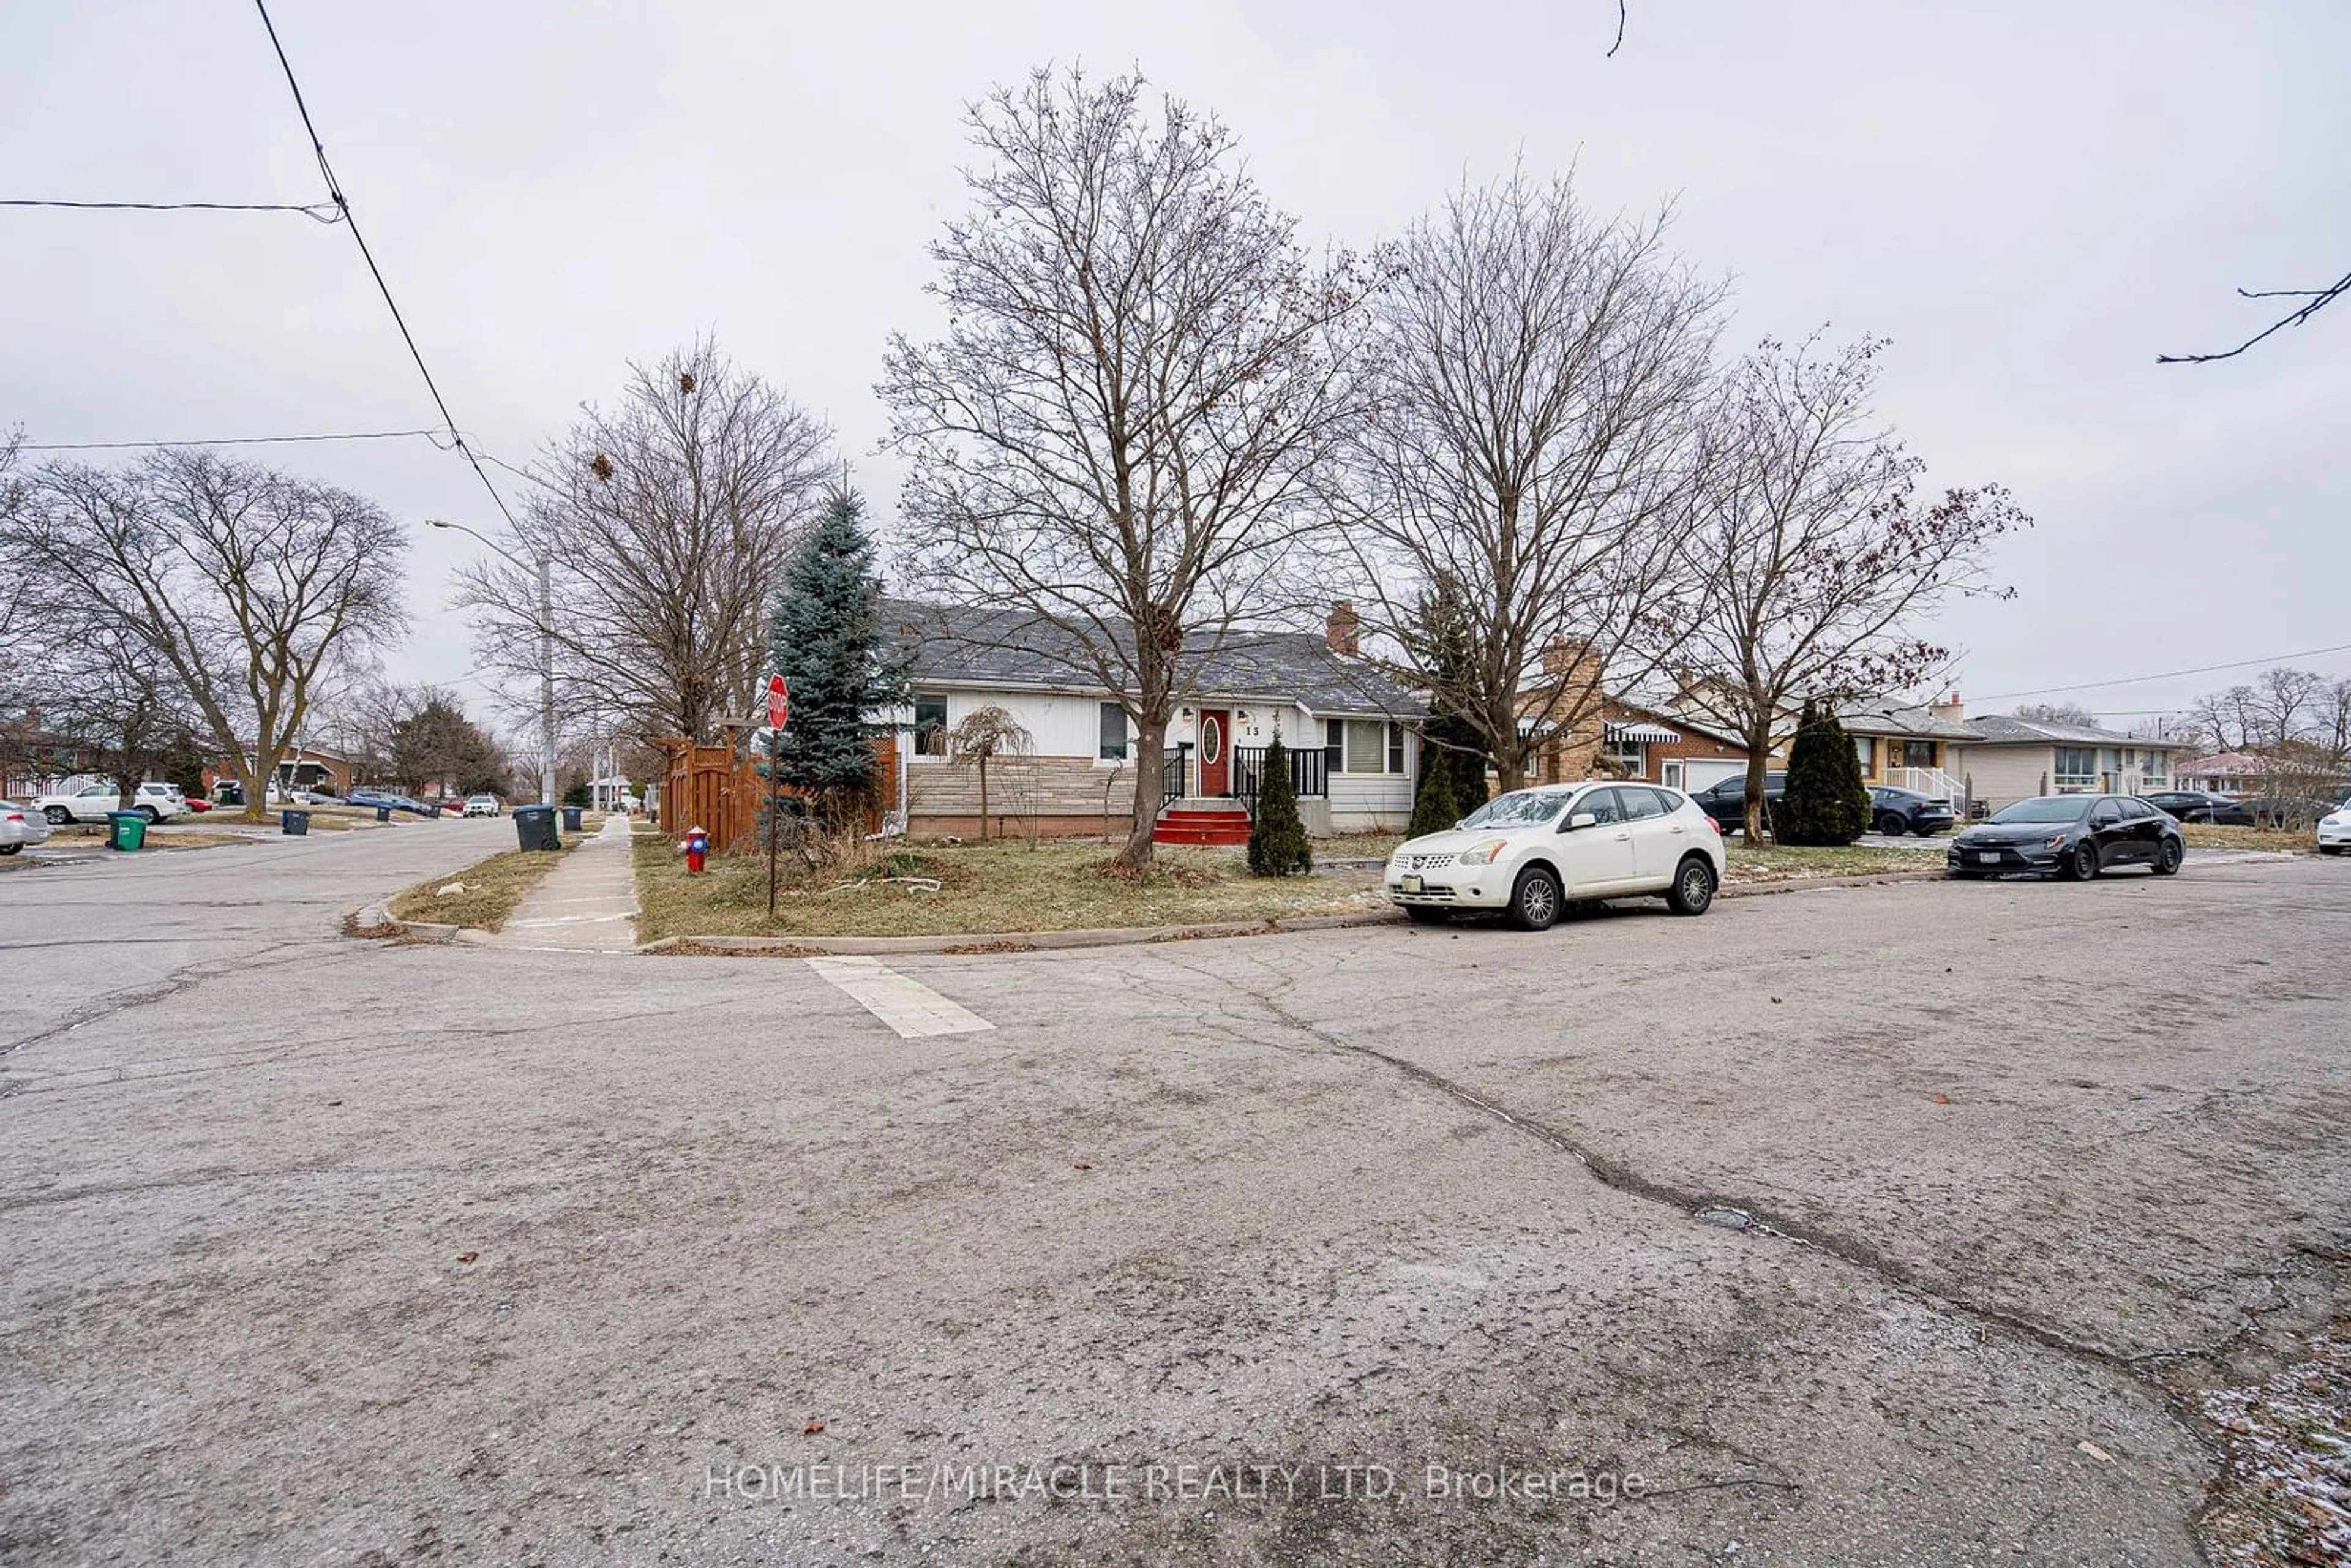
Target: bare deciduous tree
<point>1136,374</point>
<point>1535,380</point>
<point>667,523</point>
<point>242,587</point>
<point>1817,556</point>
<point>983,734</point>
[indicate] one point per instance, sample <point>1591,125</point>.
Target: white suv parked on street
<point>91,803</point>
<point>1534,851</point>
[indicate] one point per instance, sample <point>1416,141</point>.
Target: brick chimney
<point>1950,709</point>
<point>1343,629</point>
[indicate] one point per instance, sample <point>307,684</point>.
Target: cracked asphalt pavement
<point>1310,1248</point>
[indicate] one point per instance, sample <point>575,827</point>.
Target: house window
<point>1866,747</point>
<point>2077,767</point>
<point>1112,747</point>
<point>1371,746</point>
<point>1918,754</point>
<point>2158,763</point>
<point>1631,756</point>
<point>930,726</point>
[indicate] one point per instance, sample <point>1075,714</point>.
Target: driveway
<point>1878,1225</point>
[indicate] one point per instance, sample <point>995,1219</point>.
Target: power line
<point>318,212</point>
<point>2168,674</point>
<point>351,221</point>
<point>429,435</point>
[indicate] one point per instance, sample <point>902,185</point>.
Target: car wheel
<point>12,849</point>
<point>1892,825</point>
<point>1535,899</point>
<point>1421,915</point>
<point>2330,849</point>
<point>148,813</point>
<point>2166,858</point>
<point>57,815</point>
<point>1693,889</point>
<point>2081,863</point>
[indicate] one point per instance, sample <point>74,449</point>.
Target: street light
<point>545,569</point>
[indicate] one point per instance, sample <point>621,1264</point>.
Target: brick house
<point>1634,741</point>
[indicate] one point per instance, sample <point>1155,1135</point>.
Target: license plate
<point>1987,857</point>
<point>1412,884</point>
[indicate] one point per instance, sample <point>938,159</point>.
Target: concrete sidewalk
<point>589,903</point>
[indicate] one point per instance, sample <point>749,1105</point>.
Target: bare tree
<point>2059,713</point>
<point>243,587</point>
<point>1817,555</point>
<point>1525,460</point>
<point>1136,376</point>
<point>665,523</point>
<point>983,734</point>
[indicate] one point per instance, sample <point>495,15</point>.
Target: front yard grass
<point>2280,840</point>
<point>491,890</point>
<point>1752,863</point>
<point>1006,885</point>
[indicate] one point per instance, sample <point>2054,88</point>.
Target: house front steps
<point>1203,821</point>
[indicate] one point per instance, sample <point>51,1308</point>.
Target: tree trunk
<point>1150,774</point>
<point>1759,768</point>
<point>982,797</point>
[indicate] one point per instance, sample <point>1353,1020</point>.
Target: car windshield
<point>2048,809</point>
<point>1519,809</point>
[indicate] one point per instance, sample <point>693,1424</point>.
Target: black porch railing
<point>1309,774</point>
<point>1172,771</point>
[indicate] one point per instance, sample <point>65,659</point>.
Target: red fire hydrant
<point>697,849</point>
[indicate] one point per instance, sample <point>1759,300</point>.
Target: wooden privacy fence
<point>719,789</point>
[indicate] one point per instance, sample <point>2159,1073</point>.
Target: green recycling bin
<point>126,830</point>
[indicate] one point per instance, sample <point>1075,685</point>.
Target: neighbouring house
<point>302,768</point>
<point>1352,733</point>
<point>1913,748</point>
<point>2015,758</point>
<point>2234,773</point>
<point>39,761</point>
<point>1635,739</point>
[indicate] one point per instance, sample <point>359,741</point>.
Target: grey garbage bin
<point>535,828</point>
<point>294,823</point>
<point>570,818</point>
<point>383,814</point>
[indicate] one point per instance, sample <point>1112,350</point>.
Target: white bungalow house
<point>2012,759</point>
<point>1351,732</point>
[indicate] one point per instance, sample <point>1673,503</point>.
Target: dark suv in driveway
<point>1895,812</point>
<point>1726,802</point>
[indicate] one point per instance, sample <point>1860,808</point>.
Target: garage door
<point>1700,773</point>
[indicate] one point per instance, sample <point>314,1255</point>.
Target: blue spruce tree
<point>825,639</point>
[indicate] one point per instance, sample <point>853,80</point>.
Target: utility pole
<point>546,680</point>
<point>544,564</point>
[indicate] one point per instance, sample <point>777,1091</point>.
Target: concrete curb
<point>980,942</point>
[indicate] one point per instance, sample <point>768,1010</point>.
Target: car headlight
<point>1483,854</point>
<point>2054,841</point>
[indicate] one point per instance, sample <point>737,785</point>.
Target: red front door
<point>1215,752</point>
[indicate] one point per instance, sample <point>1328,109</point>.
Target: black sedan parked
<point>1895,812</point>
<point>1726,802</point>
<point>2076,836</point>
<point>2196,806</point>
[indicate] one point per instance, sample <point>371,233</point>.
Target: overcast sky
<point>2030,200</point>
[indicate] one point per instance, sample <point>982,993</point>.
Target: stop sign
<point>780,701</point>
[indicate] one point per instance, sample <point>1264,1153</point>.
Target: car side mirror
<point>1583,820</point>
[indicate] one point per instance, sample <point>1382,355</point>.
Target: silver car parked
<point>20,825</point>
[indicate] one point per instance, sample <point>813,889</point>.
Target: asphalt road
<point>1298,1248</point>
